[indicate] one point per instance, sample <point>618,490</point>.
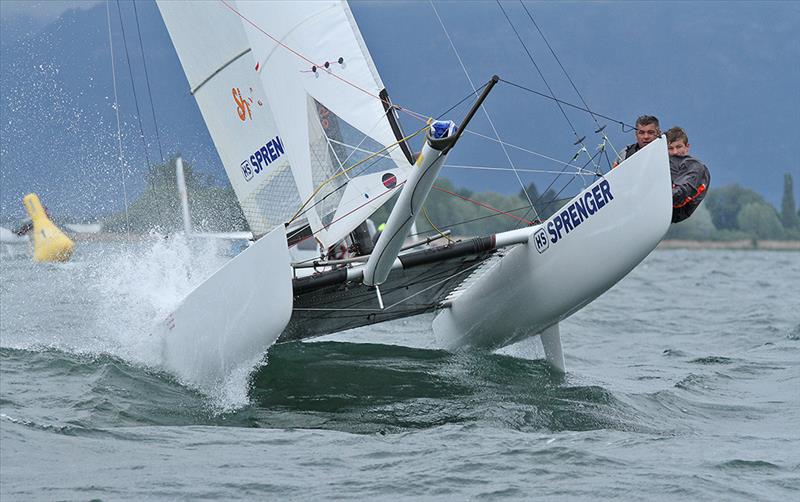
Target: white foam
<point>143,285</point>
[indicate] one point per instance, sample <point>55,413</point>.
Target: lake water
<point>683,383</point>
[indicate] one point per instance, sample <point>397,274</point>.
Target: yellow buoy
<point>49,243</point>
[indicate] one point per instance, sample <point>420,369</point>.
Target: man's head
<point>678,142</point>
<point>647,130</point>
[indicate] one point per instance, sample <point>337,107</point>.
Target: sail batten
<point>295,107</point>
<point>323,88</point>
<point>220,69</point>
<point>194,89</point>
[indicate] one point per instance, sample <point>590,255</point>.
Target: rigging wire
<point>422,117</point>
<point>353,149</point>
<point>116,110</point>
<point>133,86</point>
<point>491,123</point>
<point>367,167</point>
<point>312,63</point>
<point>565,186</point>
<point>434,227</point>
<point>481,204</point>
<point>464,222</point>
<point>520,169</point>
<point>344,171</point>
<point>567,103</point>
<point>139,115</point>
<point>386,102</point>
<point>395,106</point>
<point>580,140</point>
<point>557,161</point>
<point>147,80</point>
<point>585,104</point>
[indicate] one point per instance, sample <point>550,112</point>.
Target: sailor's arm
<point>691,185</point>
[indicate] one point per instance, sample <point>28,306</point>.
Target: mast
<point>439,141</point>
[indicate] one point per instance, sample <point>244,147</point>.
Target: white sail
<point>324,92</point>
<point>220,68</point>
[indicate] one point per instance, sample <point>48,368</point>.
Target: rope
<point>503,144</point>
<point>459,103</point>
<point>565,186</point>
<point>147,80</point>
<point>464,222</point>
<point>116,110</point>
<point>530,56</point>
<point>316,190</point>
<point>520,169</point>
<point>133,87</point>
<point>427,217</point>
<point>491,123</point>
<point>553,52</point>
<point>139,115</point>
<point>362,205</point>
<point>312,63</point>
<point>487,206</point>
<point>528,89</point>
<point>353,149</point>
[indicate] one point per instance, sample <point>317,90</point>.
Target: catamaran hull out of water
<point>230,320</point>
<point>486,298</point>
<point>493,294</point>
<point>310,142</point>
<point>577,254</point>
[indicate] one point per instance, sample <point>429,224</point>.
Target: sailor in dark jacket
<point>690,178</point>
<point>647,130</point>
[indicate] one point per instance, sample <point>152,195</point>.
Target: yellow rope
<point>425,212</point>
<point>316,190</point>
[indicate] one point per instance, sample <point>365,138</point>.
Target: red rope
<point>254,25</point>
<point>487,206</point>
<point>348,213</point>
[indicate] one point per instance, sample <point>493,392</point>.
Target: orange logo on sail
<point>242,105</point>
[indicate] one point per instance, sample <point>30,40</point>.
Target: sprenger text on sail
<point>261,158</point>
<point>579,210</point>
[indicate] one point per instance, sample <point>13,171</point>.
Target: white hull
<point>531,289</point>
<point>8,237</point>
<point>233,317</point>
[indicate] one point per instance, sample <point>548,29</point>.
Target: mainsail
<point>329,104</point>
<point>298,139</point>
<point>219,66</point>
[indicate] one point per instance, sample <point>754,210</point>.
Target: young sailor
<point>647,130</point>
<point>690,178</point>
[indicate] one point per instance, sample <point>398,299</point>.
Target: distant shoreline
<point>665,244</point>
<point>738,244</point>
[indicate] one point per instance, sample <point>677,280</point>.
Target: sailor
<point>27,224</point>
<point>647,130</point>
<point>690,177</point>
<point>25,227</point>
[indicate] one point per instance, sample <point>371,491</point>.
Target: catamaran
<point>312,146</point>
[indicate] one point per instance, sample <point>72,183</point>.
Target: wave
<point>351,387</point>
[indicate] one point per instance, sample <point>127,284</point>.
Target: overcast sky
<point>729,72</point>
<point>44,11</point>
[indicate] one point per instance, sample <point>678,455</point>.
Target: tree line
<point>731,212</point>
<point>728,213</point>
<point>734,212</point>
<point>158,208</point>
